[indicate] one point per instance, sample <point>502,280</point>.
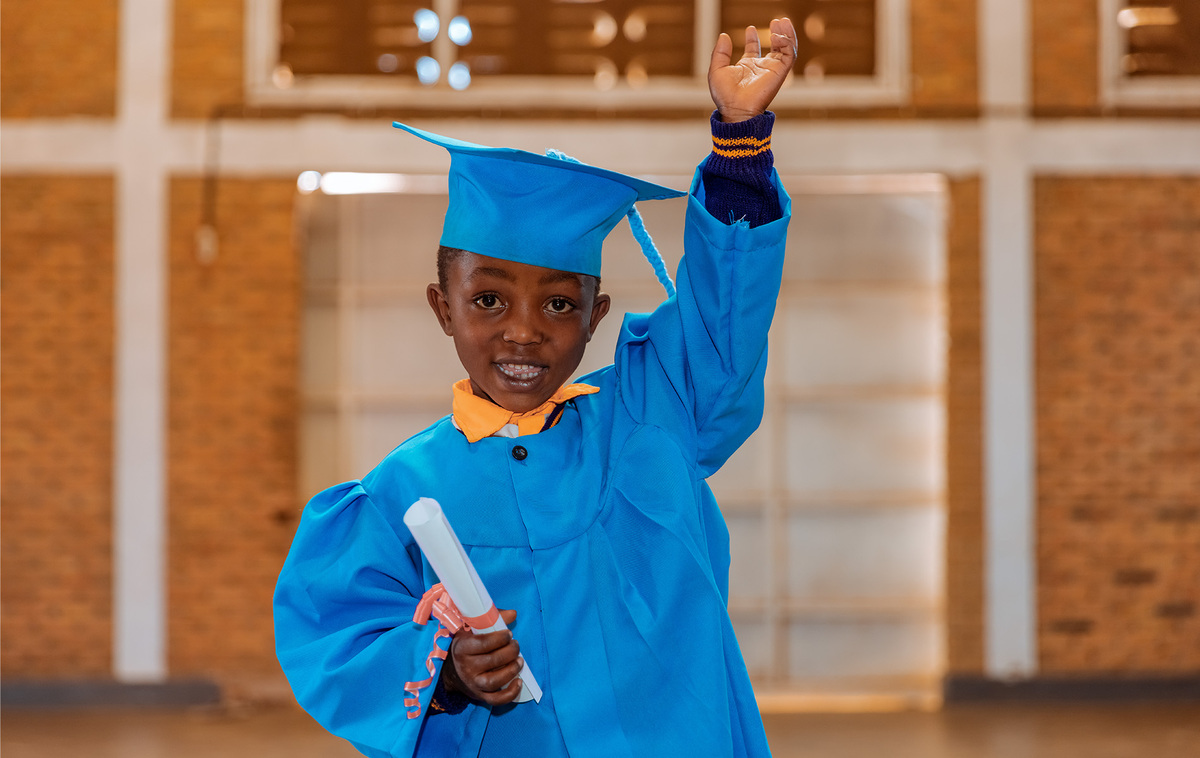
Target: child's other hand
<point>484,667</point>
<point>744,89</point>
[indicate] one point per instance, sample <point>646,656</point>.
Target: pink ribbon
<point>436,604</point>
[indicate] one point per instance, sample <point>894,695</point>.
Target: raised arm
<point>695,366</point>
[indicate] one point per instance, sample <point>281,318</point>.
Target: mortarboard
<point>545,210</point>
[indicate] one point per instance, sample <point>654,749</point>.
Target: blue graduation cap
<point>545,210</point>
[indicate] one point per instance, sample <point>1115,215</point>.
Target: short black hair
<point>446,256</point>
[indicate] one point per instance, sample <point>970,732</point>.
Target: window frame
<point>1117,89</point>
<point>889,86</point>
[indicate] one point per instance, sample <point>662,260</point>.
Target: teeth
<point>519,371</point>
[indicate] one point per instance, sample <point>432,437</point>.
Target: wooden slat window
<point>608,40</point>
<point>837,37</point>
<point>1163,38</point>
<point>350,37</point>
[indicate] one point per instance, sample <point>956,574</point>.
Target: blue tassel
<point>649,250</point>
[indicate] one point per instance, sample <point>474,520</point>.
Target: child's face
<point>520,330</point>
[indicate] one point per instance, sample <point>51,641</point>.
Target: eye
<point>488,301</point>
<point>560,305</point>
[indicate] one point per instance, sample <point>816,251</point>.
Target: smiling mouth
<point>521,373</point>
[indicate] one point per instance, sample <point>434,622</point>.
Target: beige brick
<point>1065,54</point>
<point>56,325</point>
<point>234,405</point>
<point>58,58</point>
<point>964,439</point>
<point>945,65</point>
<point>207,58</point>
<point>1118,405</point>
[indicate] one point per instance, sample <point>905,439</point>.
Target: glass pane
<point>318,452</point>
<point>754,637</point>
<point>870,238</point>
<point>401,349</point>
<point>888,553</point>
<point>319,351</point>
<point>398,238</point>
<point>746,470</point>
<point>863,339</point>
<point>322,250</point>
<point>865,445</point>
<point>864,647</point>
<point>750,556</point>
<point>375,433</point>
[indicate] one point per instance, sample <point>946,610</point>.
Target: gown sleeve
<point>695,366</point>
<point>345,636</point>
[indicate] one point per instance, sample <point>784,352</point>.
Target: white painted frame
<point>890,85</point>
<point>1117,89</point>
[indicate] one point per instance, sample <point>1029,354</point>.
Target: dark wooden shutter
<point>837,37</point>
<point>1164,38</point>
<point>350,37</point>
<point>554,38</point>
<point>632,39</point>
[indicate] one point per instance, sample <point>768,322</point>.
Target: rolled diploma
<point>445,553</point>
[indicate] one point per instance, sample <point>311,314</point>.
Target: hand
<point>484,667</point>
<point>745,89</point>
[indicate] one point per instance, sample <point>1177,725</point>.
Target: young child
<point>583,506</point>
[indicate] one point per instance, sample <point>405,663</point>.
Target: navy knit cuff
<point>444,701</point>
<point>741,147</point>
<point>738,173</point>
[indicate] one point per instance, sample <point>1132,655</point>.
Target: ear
<point>441,308</point>
<point>599,311</point>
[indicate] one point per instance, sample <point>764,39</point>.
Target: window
<point>835,505</point>
<point>623,54</point>
<point>1150,52</point>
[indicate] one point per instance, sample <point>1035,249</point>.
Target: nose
<point>521,327</point>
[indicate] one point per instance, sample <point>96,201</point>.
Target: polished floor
<point>1164,730</point>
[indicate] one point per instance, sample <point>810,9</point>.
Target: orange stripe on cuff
<point>731,141</point>
<point>740,147</point>
<point>740,153</point>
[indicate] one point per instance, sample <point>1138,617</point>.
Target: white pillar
<point>1008,330</point>
<point>139,460</point>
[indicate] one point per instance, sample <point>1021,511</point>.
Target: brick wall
<point>206,57</point>
<point>1064,55</point>
<point>944,55</point>
<point>964,434</point>
<point>56,325</point>
<point>1118,409</point>
<point>58,58</point>
<point>234,346</point>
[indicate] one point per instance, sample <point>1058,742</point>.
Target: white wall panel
<point>865,445</point>
<point>881,554</point>
<point>864,339</point>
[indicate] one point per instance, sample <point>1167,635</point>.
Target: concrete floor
<point>1165,730</point>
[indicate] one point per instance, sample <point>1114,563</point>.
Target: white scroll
<point>445,553</point>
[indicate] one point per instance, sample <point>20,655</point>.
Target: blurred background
<point>978,477</point>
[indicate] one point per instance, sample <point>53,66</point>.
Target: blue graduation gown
<point>605,538</point>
